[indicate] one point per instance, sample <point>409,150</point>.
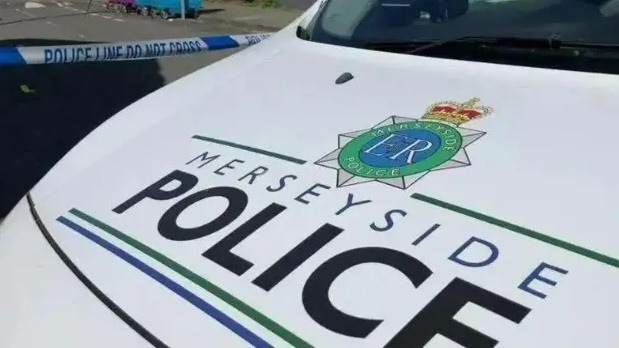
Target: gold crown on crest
<point>456,113</point>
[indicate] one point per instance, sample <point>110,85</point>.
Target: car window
<point>406,20</point>
<point>577,35</point>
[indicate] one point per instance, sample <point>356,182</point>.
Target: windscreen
<point>354,22</point>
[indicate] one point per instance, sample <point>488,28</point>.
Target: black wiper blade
<point>553,42</point>
<point>414,47</point>
<point>395,46</point>
<point>303,34</point>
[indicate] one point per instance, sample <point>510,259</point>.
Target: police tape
<point>118,51</point>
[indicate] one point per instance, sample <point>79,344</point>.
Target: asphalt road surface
<point>60,104</point>
<point>300,4</point>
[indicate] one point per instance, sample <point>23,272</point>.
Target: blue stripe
<point>211,311</point>
<point>219,42</point>
<point>11,56</point>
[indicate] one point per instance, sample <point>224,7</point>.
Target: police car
<point>352,183</point>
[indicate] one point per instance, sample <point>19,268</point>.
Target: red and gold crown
<point>457,113</point>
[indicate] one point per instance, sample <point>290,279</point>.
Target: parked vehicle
<point>156,8</point>
<point>345,183</point>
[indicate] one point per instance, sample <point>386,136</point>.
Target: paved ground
<point>234,11</point>
<point>300,4</point>
<point>296,4</point>
<point>68,101</point>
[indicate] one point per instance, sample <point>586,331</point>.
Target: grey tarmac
<point>46,109</point>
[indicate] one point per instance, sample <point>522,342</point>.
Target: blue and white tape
<point>124,50</point>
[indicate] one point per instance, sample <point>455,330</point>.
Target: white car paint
<point>542,159</point>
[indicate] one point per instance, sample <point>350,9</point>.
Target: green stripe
<point>251,149</point>
<point>520,230</point>
<point>258,317</point>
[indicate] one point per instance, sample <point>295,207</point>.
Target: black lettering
<point>227,165</point>
<point>221,253</point>
<point>204,159</point>
<point>282,183</point>
<point>351,203</point>
<point>316,290</point>
<point>388,220</point>
<point>154,191</point>
<point>295,257</point>
<point>310,191</point>
<point>438,317</point>
<point>426,234</point>
<point>237,202</point>
<point>254,174</point>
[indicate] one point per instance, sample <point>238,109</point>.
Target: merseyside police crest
<point>399,151</point>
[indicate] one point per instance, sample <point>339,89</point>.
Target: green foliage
<point>270,3</point>
<point>264,3</point>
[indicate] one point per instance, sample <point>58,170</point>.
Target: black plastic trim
<point>141,330</point>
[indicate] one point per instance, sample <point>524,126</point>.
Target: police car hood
<point>289,208</point>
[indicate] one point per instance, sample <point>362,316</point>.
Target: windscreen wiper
<point>303,34</point>
<point>415,47</point>
<point>551,43</point>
